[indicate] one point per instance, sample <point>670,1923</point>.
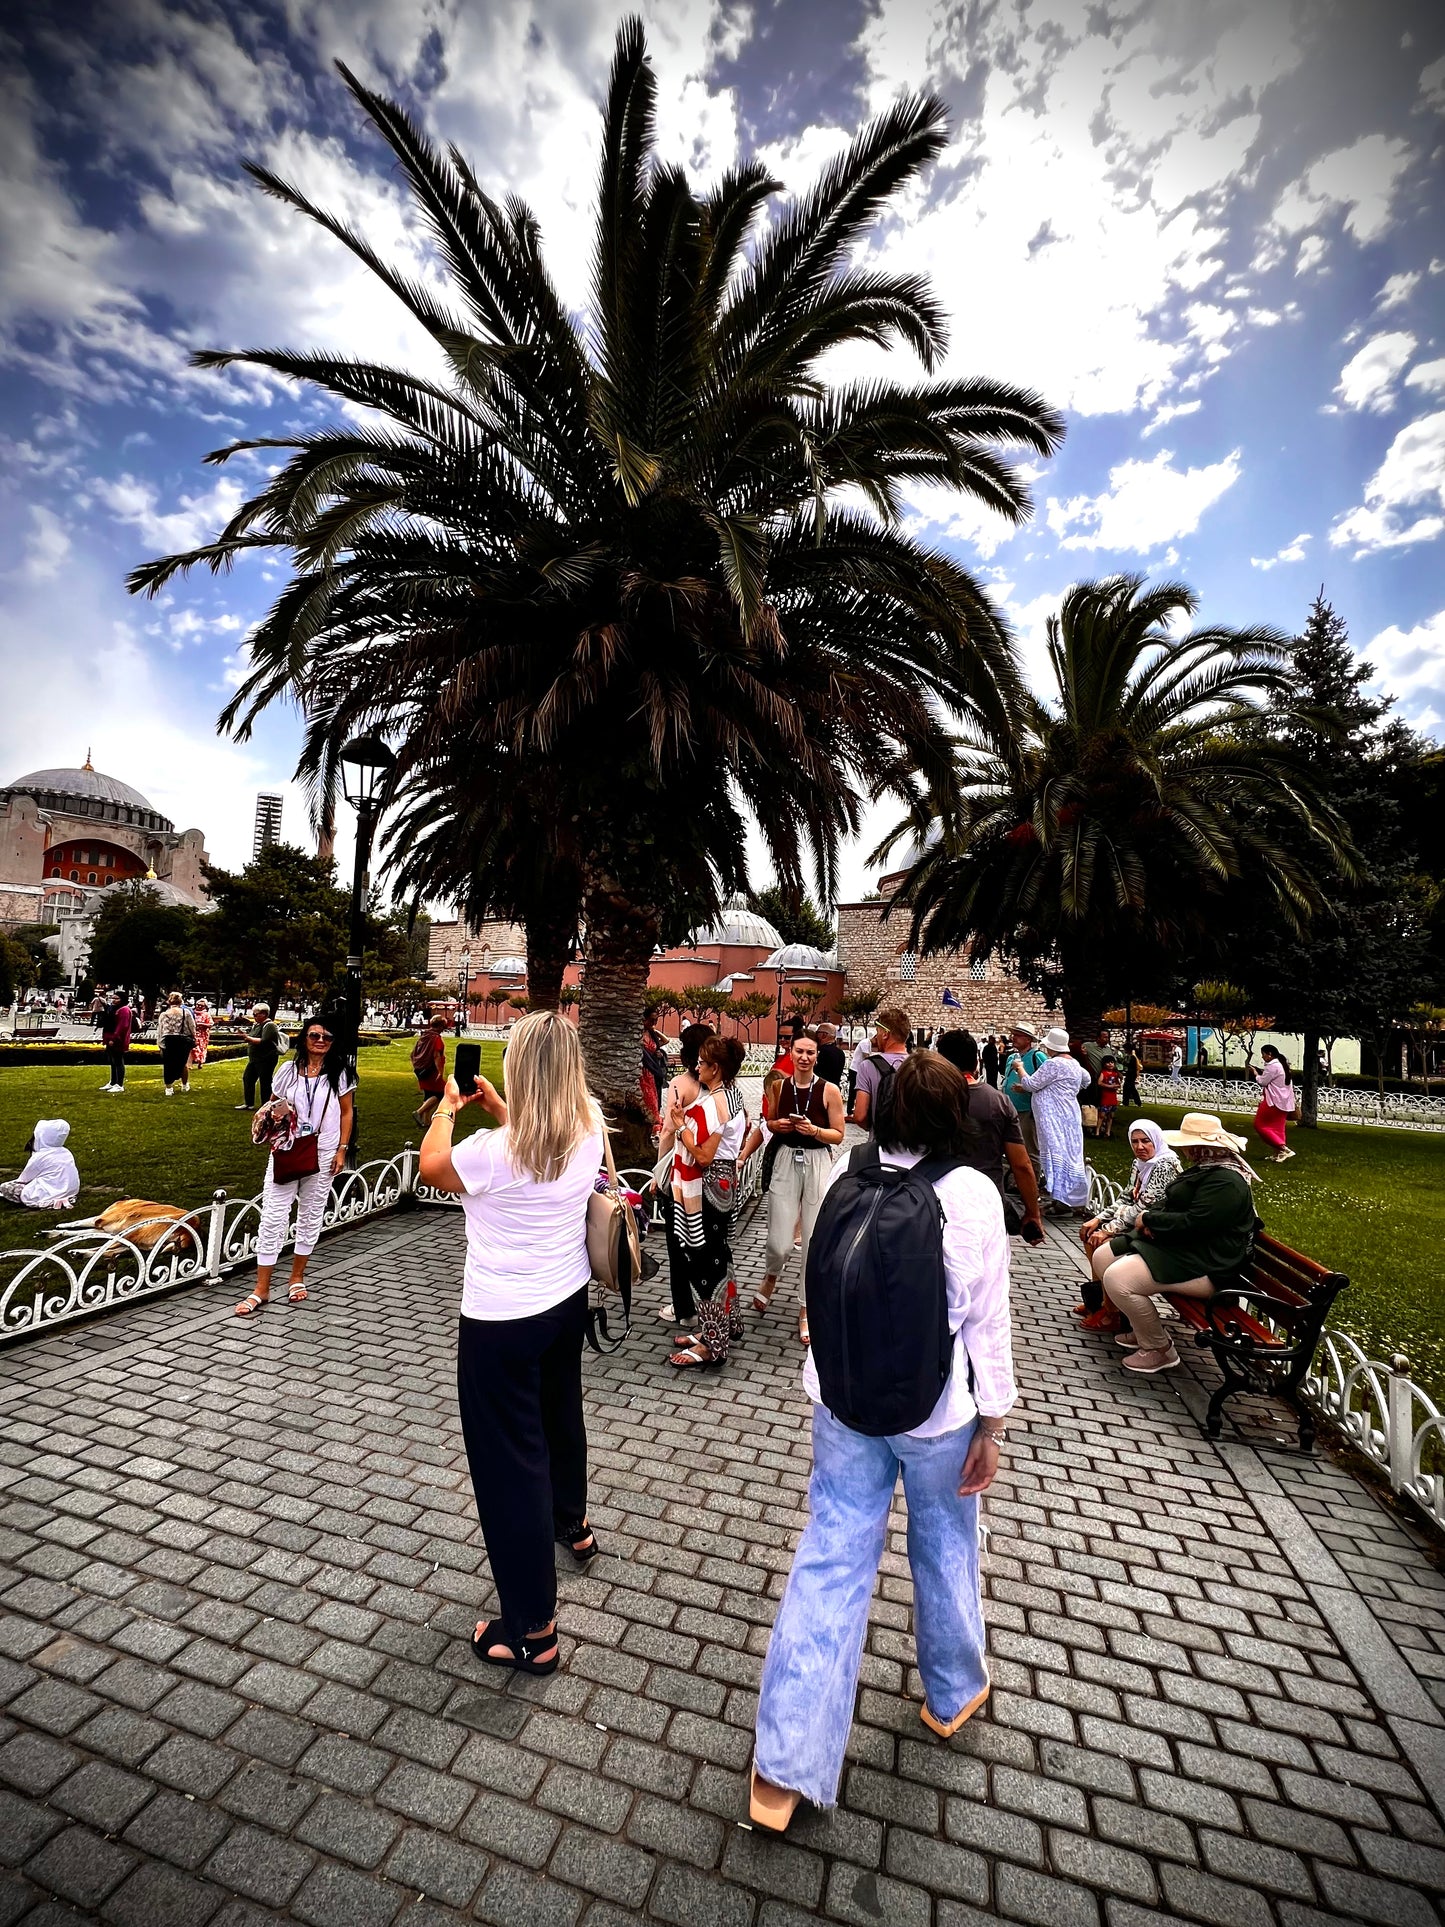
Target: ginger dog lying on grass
<point>142,1224</point>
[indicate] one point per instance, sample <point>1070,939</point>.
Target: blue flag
<point>950,1002</point>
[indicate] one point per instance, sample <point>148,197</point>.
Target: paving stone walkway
<point>240,1566</point>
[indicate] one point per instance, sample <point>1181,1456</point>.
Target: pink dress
<point>203,1037</point>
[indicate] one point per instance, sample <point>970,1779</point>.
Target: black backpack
<point>878,1294</point>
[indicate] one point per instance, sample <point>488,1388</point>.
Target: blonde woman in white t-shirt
<point>524,1188</point>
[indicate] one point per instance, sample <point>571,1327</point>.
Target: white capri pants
<point>309,1195</point>
<point>795,1191</point>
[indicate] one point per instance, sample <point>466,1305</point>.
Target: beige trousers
<point>1131,1287</point>
<point>795,1190</point>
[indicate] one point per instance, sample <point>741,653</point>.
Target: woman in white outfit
<point>1055,1088</point>
<point>316,1087</point>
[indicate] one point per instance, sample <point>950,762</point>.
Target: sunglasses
<point>318,1036</point>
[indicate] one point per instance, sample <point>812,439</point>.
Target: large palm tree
<point>652,550</point>
<point>1092,845</point>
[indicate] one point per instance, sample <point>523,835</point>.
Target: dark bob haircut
<point>927,1108</point>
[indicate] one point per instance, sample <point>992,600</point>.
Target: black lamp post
<point>365,765</point>
<point>463,1010</point>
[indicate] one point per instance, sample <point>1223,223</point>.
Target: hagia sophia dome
<point>52,787</point>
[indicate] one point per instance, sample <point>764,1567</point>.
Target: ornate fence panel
<point>85,1270</point>
<point>1337,1105</point>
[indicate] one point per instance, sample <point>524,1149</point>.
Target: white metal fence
<point>1376,1406</point>
<point>1337,1104</point>
<point>85,1270</point>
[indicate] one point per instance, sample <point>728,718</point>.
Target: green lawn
<point>1369,1203</point>
<point>178,1150</point>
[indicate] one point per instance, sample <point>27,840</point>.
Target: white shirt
<point>975,1262</point>
<point>526,1242</point>
<point>317,1106</point>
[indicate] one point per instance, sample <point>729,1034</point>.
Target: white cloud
<point>46,545</point>
<point>1429,375</point>
<point>1145,504</point>
<point>1361,179</point>
<point>1291,552</point>
<point>1412,475</point>
<point>1086,186</point>
<point>197,519</point>
<point>1432,85</point>
<point>1170,413</point>
<point>140,723</point>
<point>1367,379</point>
<point>1397,290</point>
<point>1410,665</point>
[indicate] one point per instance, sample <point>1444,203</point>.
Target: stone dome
<point>88,783</point>
<point>160,887</point>
<point>740,925</point>
<point>798,956</point>
<point>506,967</point>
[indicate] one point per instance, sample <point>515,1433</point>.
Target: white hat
<point>1202,1127</point>
<point>1024,1029</point>
<point>1056,1040</point>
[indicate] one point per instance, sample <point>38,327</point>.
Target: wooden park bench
<point>1264,1330</point>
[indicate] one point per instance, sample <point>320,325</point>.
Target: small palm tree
<point>1094,845</point>
<point>653,551</point>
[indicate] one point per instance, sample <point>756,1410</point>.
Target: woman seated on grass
<point>51,1178</point>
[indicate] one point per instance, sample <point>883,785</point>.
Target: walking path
<point>241,1566</point>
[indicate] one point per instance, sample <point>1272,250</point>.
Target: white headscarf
<point>51,1178</point>
<point>1143,1167</point>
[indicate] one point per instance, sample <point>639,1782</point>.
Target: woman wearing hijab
<point>1276,1102</point>
<point>1193,1243</point>
<point>1054,1088</point>
<point>1155,1168</point>
<point>51,1178</point>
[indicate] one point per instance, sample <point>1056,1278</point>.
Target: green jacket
<point>1204,1228</point>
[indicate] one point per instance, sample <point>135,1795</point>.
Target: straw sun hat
<point>1201,1127</point>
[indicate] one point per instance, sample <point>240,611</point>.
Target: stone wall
<point>487,940</point>
<point>875,954</point>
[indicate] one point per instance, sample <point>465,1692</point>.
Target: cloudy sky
<point>1210,231</point>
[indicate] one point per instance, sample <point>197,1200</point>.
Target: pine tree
<point>1365,957</point>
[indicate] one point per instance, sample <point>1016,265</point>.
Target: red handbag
<point>298,1160</point>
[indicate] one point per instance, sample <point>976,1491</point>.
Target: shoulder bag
<point>302,1157</point>
<point>614,1253</point>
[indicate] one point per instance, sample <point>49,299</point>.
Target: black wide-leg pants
<point>519,1386</point>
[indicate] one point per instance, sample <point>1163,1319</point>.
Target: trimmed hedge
<point>62,1051</point>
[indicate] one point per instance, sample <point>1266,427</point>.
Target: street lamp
<point>463,1012</point>
<point>366,763</point>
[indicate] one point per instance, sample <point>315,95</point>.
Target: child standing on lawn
<point>1110,1081</point>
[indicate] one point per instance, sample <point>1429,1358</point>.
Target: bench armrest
<point>1304,1322</point>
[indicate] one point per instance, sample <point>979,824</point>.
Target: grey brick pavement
<point>239,1564</point>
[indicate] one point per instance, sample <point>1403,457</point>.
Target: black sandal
<point>523,1658</point>
<point>569,1535</point>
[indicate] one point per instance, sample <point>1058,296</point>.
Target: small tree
<point>658,1000</point>
<point>795,916</point>
<point>749,1011</point>
<point>1231,1012</point>
<point>701,1001</point>
<point>1424,1026</point>
<point>856,1006</point>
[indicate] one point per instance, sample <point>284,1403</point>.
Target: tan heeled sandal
<point>946,1732</point>
<point>771,1806</point>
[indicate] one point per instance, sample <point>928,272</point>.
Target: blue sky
<point>1210,231</point>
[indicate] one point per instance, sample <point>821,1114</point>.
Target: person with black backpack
<point>911,1368</point>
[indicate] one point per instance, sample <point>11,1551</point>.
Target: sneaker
<point>240,1107</point>
<point>1146,1363</point>
<point>106,1087</point>
<point>1126,1340</point>
<point>170,1090</point>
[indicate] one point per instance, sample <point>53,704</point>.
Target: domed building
<point>68,834</point>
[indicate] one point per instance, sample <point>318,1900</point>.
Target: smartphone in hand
<point>466,1068</point>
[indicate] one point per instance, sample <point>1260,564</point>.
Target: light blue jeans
<point>811,1673</point>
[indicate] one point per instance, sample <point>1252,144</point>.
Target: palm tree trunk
<point>551,941</point>
<point>1309,1103</point>
<point>1083,993</point>
<point>621,937</point>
